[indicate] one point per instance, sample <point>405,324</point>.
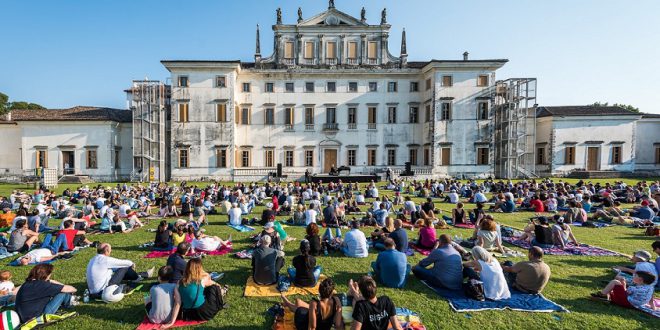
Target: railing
<point>330,127</point>
<point>352,61</point>
<point>254,171</point>
<point>331,61</point>
<point>288,127</point>
<point>372,61</point>
<point>309,61</point>
<point>289,61</point>
<point>309,127</point>
<point>352,126</point>
<point>419,170</point>
<point>371,126</point>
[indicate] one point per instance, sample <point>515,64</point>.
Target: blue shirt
<point>508,206</point>
<point>400,238</point>
<point>105,224</point>
<point>391,268</point>
<point>380,215</point>
<point>447,267</point>
<point>645,213</point>
<point>657,268</point>
<point>355,244</point>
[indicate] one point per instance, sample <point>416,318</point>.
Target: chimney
<point>404,50</point>
<point>257,53</point>
<point>465,56</point>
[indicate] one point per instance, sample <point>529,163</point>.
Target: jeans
<point>123,274</point>
<point>427,275</point>
<point>379,246</point>
<point>317,273</point>
<point>327,236</point>
<point>510,277</point>
<point>55,246</point>
<point>60,300</point>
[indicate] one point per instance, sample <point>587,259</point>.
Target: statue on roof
<point>363,15</point>
<point>383,16</point>
<point>300,19</point>
<point>279,15</point>
<point>331,4</point>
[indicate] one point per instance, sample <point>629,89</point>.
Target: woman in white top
<point>310,215</point>
<point>490,271</point>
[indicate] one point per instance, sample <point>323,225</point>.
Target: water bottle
<point>86,296</point>
<point>325,252</point>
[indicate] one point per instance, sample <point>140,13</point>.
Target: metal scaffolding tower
<point>150,102</point>
<point>514,104</point>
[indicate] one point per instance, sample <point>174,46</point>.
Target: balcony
<point>372,61</point>
<point>352,126</point>
<point>352,61</point>
<point>289,61</point>
<point>330,127</point>
<point>288,128</point>
<point>309,61</point>
<point>309,127</point>
<point>371,126</point>
<point>330,61</point>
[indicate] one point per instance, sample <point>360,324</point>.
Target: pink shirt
<point>427,237</point>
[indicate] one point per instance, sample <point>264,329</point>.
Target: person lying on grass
<point>639,295</point>
<point>203,242</point>
<point>319,314</point>
<point>371,312</point>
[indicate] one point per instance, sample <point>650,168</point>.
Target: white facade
<point>647,144</point>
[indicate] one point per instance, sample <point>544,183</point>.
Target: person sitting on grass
<point>299,215</point>
<point>41,295</point>
<point>163,240</point>
<point>314,239</point>
<point>21,239</point>
<point>507,206</point>
<point>234,214</point>
<point>487,235</point>
<point>655,246</point>
<point>305,272</point>
<point>164,301</point>
<point>104,270</point>
<point>562,233</point>
<point>73,236</point>
<point>379,235</point>
<point>371,312</point>
<point>639,295</point>
<point>177,262</point>
<point>325,311</point>
<point>201,297</point>
<point>489,272</point>
<point>266,262</point>
<point>391,267</point>
<point>538,234</point>
<point>447,271</point>
<point>528,276</point>
<point>427,236</point>
<point>458,214</point>
<point>355,242</point>
<point>641,259</point>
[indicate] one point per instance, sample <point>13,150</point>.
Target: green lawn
<point>572,280</point>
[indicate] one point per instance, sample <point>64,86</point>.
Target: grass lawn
<point>573,278</point>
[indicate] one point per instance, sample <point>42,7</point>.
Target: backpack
<point>474,289</point>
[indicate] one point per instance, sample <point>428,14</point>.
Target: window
<point>482,80</point>
<point>447,81</point>
<point>246,87</point>
<point>352,50</point>
<point>269,158</point>
<point>371,157</point>
<point>331,52</point>
<point>288,158</point>
<point>616,154</point>
<point>221,112</point>
<point>270,116</point>
<point>413,115</point>
<point>309,118</point>
<point>183,81</point>
<point>288,50</point>
<point>220,81</point>
<point>288,117</point>
<point>221,157</point>
<point>245,158</point>
<point>289,87</point>
<point>657,155</point>
<point>391,115</point>
<point>117,159</point>
<point>245,116</point>
<point>331,87</point>
<point>391,157</point>
<point>429,115</point>
<point>391,86</point>
<point>372,118</point>
<point>183,158</point>
<point>373,86</point>
<point>91,158</point>
<point>482,111</point>
<point>569,155</point>
<point>414,86</point>
<point>42,158</point>
<point>309,87</point>
<point>428,84</point>
<point>352,118</point>
<point>352,86</point>
<point>446,111</point>
<point>412,156</point>
<point>330,115</point>
<point>482,156</point>
<point>445,156</point>
<point>372,50</point>
<point>183,112</point>
<point>309,50</point>
<point>427,156</point>
<point>351,157</point>
<point>309,158</point>
<point>540,156</point>
<point>270,87</point>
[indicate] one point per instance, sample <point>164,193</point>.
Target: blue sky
<point>66,53</point>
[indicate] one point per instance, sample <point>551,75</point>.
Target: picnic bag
<point>474,289</point>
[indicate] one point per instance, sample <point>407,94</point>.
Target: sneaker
<point>599,296</point>
<point>150,272</point>
<point>75,301</point>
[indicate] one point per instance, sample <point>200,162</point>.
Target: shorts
<point>619,297</point>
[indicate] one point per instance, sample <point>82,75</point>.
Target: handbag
<point>474,289</point>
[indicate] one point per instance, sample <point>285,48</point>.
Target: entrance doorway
<point>593,156</point>
<point>68,162</point>
<point>329,159</point>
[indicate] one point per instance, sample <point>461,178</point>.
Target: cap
<point>643,255</point>
<point>645,203</point>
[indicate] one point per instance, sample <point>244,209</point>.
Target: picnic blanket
<point>147,325</point>
<point>245,254</point>
<point>255,290</point>
<point>463,225</point>
<point>407,318</point>
<point>597,224</point>
<point>421,250</point>
<point>242,228</point>
<point>518,302</point>
<point>656,312</point>
<point>571,250</point>
<point>162,254</point>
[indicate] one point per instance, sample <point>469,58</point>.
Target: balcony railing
<point>371,126</point>
<point>309,61</point>
<point>289,61</point>
<point>372,61</point>
<point>331,61</point>
<point>309,127</point>
<point>352,61</point>
<point>330,127</point>
<point>288,127</point>
<point>352,126</point>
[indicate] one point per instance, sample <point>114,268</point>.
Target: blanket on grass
<point>518,302</point>
<point>654,313</point>
<point>421,250</point>
<point>407,318</point>
<point>597,224</point>
<point>147,325</point>
<point>162,254</point>
<point>245,254</point>
<point>571,250</point>
<point>255,290</point>
<point>242,228</point>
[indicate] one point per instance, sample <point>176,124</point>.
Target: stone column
<point>340,49</point>
<point>300,49</point>
<point>363,49</point>
<point>383,48</point>
<point>321,51</point>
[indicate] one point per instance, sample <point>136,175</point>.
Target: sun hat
<point>643,255</point>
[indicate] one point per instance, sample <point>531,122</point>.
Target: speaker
<point>408,167</point>
<point>279,170</point>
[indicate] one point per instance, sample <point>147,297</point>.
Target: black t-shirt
<point>428,206</point>
<point>374,316</point>
<point>267,215</point>
<point>162,238</point>
<point>314,245</point>
<point>178,265</point>
<point>543,234</point>
<point>33,296</point>
<point>304,270</point>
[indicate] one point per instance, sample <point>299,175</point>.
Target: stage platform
<point>327,178</point>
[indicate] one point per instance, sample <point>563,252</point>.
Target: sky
<point>80,52</point>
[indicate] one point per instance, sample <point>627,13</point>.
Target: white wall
<point>10,160</point>
<point>647,139</point>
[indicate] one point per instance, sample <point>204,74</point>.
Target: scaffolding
<point>150,102</point>
<point>514,104</point>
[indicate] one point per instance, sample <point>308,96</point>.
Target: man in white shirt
<point>409,206</point>
<point>355,243</point>
<point>206,243</point>
<point>104,270</point>
<point>479,197</point>
<point>235,215</point>
<point>310,215</point>
<point>453,196</point>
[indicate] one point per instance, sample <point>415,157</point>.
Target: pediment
<point>332,17</point>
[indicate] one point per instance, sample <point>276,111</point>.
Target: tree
<point>625,106</point>
<point>18,105</point>
<point>4,100</point>
<point>34,106</point>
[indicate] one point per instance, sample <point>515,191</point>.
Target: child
<point>179,236</point>
<point>7,289</point>
<point>637,296</point>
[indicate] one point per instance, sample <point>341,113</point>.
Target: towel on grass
<point>518,302</point>
<point>571,250</point>
<point>255,290</point>
<point>147,325</point>
<point>15,262</point>
<point>597,224</point>
<point>162,254</point>
<point>242,228</point>
<point>423,251</point>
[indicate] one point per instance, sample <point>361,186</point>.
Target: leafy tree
<point>4,100</point>
<point>18,105</point>
<point>34,106</point>
<point>625,106</point>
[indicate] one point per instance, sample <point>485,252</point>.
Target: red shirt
<point>70,235</point>
<point>537,205</point>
